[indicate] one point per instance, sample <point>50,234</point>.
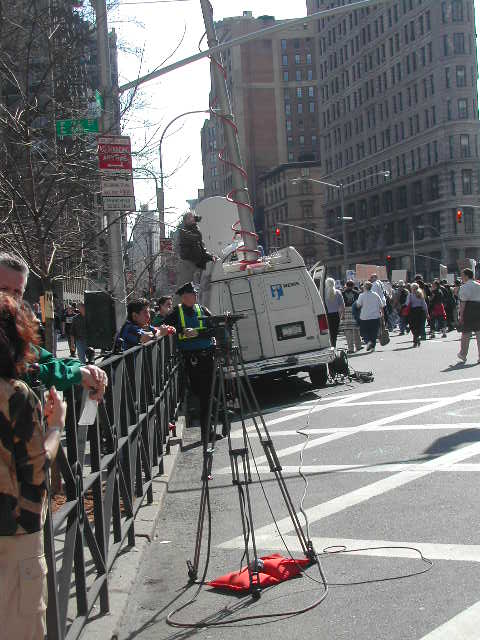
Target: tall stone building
<point>273,91</point>
<point>397,93</point>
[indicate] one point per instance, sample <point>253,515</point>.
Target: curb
<point>122,578</point>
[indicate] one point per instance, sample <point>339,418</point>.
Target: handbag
<point>384,337</point>
<point>405,311</point>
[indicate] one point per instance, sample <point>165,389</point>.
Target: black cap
<point>188,287</point>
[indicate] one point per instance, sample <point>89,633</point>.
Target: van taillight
<point>323,324</point>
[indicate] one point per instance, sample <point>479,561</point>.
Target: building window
<point>311,107</point>
<point>433,188</point>
<point>285,61</point>
<point>285,76</point>
<point>284,44</point>
<point>451,146</point>
<point>288,108</point>
<point>298,76</point>
<point>314,141</point>
<point>299,92</point>
<point>461,75</point>
<point>309,58</point>
<point>297,58</point>
<point>462,109</point>
<point>457,10</point>
<point>301,139</point>
<point>453,188</point>
<point>465,146</point>
<point>290,156</point>
<point>467,182</point>
<point>309,74</point>
<point>447,77</point>
<point>417,192</point>
<point>300,107</point>
<point>458,43</point>
<point>311,92</point>
<point>289,125</point>
<point>307,210</point>
<point>387,202</point>
<point>401,197</point>
<point>469,226</point>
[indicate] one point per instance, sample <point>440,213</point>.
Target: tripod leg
<point>247,397</point>
<point>207,469</point>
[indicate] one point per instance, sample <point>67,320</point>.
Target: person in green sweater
<point>165,306</point>
<point>61,373</point>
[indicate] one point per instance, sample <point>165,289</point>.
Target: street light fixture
<point>341,187</point>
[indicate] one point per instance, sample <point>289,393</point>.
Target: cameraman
<point>193,254</point>
<point>197,347</point>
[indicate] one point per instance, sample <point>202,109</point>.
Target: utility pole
<point>239,180</point>
<point>414,255</point>
<point>109,126</point>
<point>344,229</point>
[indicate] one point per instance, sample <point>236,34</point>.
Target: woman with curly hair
<point>26,451</point>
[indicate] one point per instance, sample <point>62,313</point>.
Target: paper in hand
<point>89,413</point>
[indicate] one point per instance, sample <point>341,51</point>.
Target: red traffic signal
<point>277,232</point>
<point>459,215</point>
<point>389,258</point>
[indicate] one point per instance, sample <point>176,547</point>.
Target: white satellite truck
<point>286,328</point>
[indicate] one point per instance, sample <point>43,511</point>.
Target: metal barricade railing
<point>107,471</point>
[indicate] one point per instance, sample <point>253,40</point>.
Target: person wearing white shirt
<point>371,309</point>
<point>377,287</point>
<point>469,313</point>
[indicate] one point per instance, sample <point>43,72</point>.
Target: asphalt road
<point>393,463</point>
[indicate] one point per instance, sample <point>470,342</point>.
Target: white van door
<point>241,297</point>
<point>293,319</point>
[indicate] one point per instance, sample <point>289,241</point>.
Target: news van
<point>286,329</point>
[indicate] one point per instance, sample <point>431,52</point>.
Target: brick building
<point>398,93</point>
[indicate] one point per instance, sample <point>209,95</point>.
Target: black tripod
<point>230,382</point>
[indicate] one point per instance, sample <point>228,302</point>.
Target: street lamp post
<point>341,189</point>
<point>444,248</point>
<point>413,253</point>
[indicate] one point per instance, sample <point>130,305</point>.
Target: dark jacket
<point>191,245</point>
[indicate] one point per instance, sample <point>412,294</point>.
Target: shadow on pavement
<point>451,442</point>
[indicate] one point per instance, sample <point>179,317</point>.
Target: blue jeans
<point>81,347</point>
<point>369,330</point>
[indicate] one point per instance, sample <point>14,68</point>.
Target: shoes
<point>369,346</point>
<point>351,351</point>
<point>461,357</point>
<point>402,333</point>
<point>444,335</point>
<point>215,436</point>
<point>359,348</point>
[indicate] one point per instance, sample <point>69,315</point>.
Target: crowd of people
<point>369,310</point>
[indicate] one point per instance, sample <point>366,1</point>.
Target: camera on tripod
<point>221,326</point>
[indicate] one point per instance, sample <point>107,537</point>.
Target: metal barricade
<point>107,471</point>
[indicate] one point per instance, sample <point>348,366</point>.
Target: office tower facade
<point>397,93</point>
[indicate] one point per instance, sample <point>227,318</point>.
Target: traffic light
<point>277,231</point>
<point>389,259</point>
<point>459,215</point>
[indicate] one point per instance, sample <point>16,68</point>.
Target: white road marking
<point>432,551</point>
<point>380,487</point>
<point>439,404</point>
<point>359,396</point>
<point>463,626</point>
<point>453,426</point>
<point>380,402</point>
<point>359,468</point>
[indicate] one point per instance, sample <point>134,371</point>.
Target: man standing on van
<point>469,313</point>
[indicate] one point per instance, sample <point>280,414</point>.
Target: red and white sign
<point>116,176</point>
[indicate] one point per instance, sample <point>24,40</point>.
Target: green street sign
<point>69,128</point>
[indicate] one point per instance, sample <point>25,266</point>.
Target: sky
<point>150,32</point>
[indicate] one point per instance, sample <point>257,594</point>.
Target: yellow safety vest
<point>201,326</point>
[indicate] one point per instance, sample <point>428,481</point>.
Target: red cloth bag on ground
<point>275,569</point>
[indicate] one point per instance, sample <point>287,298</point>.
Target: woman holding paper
<point>26,451</point>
